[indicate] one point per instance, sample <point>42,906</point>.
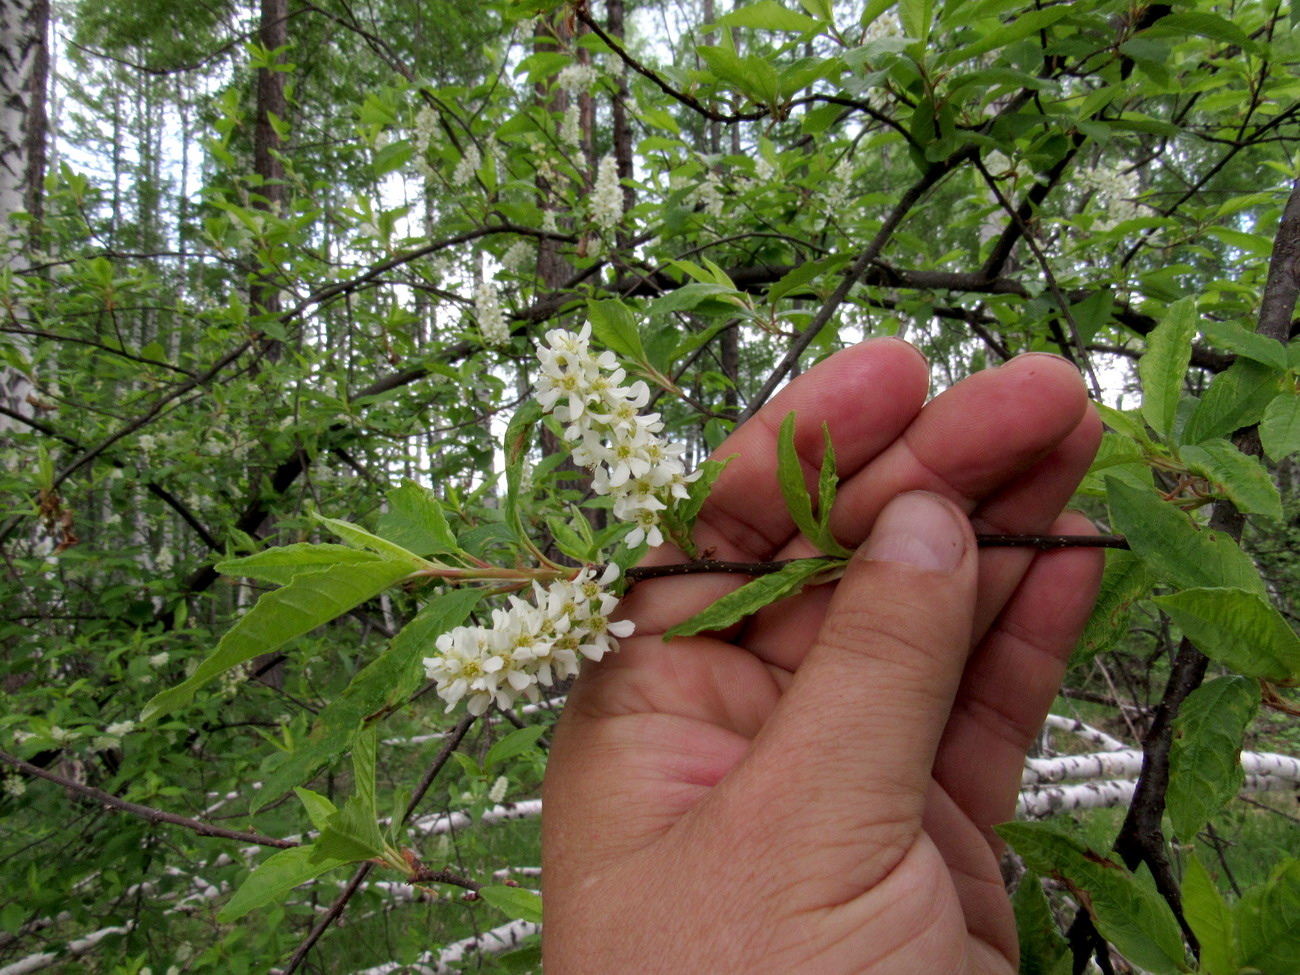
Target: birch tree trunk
<point>24,61</point>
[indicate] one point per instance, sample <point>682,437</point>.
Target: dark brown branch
<point>449,745</point>
<point>1044,543</point>
<point>144,812</point>
<point>1141,838</point>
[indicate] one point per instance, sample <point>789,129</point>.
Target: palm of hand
<point>695,822</point>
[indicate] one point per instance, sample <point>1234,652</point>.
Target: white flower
<point>640,470</point>
<point>518,256</point>
<point>607,196</point>
<point>576,77</point>
<point>491,317</point>
<point>147,442</point>
<point>119,728</point>
<point>425,129</point>
<point>14,785</point>
<point>59,735</point>
<point>764,169</point>
<point>529,644</point>
<point>158,659</point>
<point>499,788</point>
<point>571,126</point>
<point>709,195</point>
<point>837,190</point>
<point>468,166</point>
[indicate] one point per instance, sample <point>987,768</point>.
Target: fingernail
<point>917,529</point>
<point>904,342</point>
<point>1044,355</point>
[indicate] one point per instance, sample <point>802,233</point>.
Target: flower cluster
<point>576,77</point>
<point>709,195</point>
<point>630,462</point>
<point>607,196</point>
<point>530,645</point>
<point>491,317</point>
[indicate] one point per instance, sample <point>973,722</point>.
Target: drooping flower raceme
<point>491,316</point>
<point>530,645</point>
<point>640,470</point>
<point>607,196</point>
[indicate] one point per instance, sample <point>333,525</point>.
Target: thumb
<point>851,743</point>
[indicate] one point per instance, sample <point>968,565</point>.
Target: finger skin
<point>1012,677</point>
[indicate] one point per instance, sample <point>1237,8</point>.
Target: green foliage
<point>218,353</point>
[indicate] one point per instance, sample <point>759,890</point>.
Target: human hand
<point>814,790</point>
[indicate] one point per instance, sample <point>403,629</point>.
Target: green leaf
<point>821,9</point>
<point>514,902</point>
<point>615,328</point>
<point>1173,546</point>
<point>753,76</point>
<point>1116,449</point>
<point>1268,923</point>
<point>387,680</point>
<point>752,596</point>
<point>1126,580</point>
<point>1041,944</point>
<point>274,878</point>
<point>679,520</point>
<point>516,743</point>
<point>279,565</point>
<point>916,16</point>
<point>1234,338</point>
<point>1164,366</point>
<point>769,15</point>
<point>1239,477</point>
<point>1239,629</point>
<point>827,482</point>
<point>1125,423</point>
<point>415,521</point>
<point>1128,913</point>
<point>319,809</point>
<point>358,536</point>
<point>689,296</point>
<point>1210,920</point>
<point>1206,25</point>
<point>1237,397</point>
<point>1279,429</point>
<point>519,437</point>
<point>304,604</point>
<point>797,281</point>
<point>789,474</point>
<point>1205,759</point>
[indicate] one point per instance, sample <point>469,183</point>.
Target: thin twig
<point>336,909</point>
<point>145,812</point>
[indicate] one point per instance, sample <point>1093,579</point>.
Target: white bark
<point>494,942</point>
<point>1086,732</point>
<point>44,959</point>
<point>1128,764</point>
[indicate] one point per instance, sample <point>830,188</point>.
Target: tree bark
<point>24,62</point>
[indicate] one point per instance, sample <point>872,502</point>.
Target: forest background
<point>272,263</point>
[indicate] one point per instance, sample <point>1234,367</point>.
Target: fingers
<point>844,762</point>
<point>867,395</point>
<point>1007,445</point>
<point>1012,677</point>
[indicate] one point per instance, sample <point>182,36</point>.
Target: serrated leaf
<point>1128,913</point>
<point>280,564</point>
<point>689,296</point>
<point>797,280</point>
<point>1210,920</point>
<point>569,541</point>
<point>769,15</point>
<point>1124,422</point>
<point>415,521</point>
<point>1115,448</point>
<point>615,328</point>
<point>751,597</point>
<point>514,902</point>
<point>1268,923</point>
<point>390,678</point>
<point>519,438</point>
<point>827,482</point>
<point>1239,629</point>
<point>1205,758</point>
<point>1164,366</point>
<point>821,9</point>
<point>516,743</point>
<point>358,536</point>
<point>1279,428</point>
<point>679,520</point>
<point>274,878</point>
<point>1126,580</point>
<point>1237,397</point>
<point>280,616</point>
<point>1234,338</point>
<point>1176,550</point>
<point>319,809</point>
<point>1239,477</point>
<point>1041,944</point>
<point>789,475</point>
